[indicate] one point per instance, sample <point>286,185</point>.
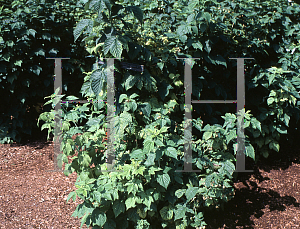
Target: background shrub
<point>30,32</point>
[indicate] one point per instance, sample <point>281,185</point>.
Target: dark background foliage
<point>32,31</point>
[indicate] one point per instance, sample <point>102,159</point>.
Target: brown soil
<point>267,198</point>
<point>32,197</point>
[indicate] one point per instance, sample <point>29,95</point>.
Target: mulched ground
<point>31,197</point>
<point>267,198</point>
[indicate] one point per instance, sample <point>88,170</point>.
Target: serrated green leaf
<point>98,217</point>
<point>271,78</point>
<point>195,29</point>
<point>190,18</point>
<point>207,135</point>
<point>36,69</point>
<point>113,45</point>
<point>122,97</point>
<point>164,180</point>
<point>46,36</point>
<point>183,38</point>
<point>118,207</point>
<point>98,77</point>
<point>256,124</point>
<point>181,30</point>
<point>148,146</point>
<point>160,65</point>
<point>178,83</point>
<point>247,124</point>
<point>150,159</point>
<point>191,192</point>
<point>125,117</point>
<point>179,212</point>
<point>84,160</point>
<point>134,95</point>
<point>81,191</point>
<point>130,203</point>
<point>207,16</point>
<point>97,196</point>
<point>130,81</point>
<point>146,109</point>
<point>132,106</point>
<point>83,220</point>
<point>166,213</point>
<point>227,168</point>
<point>81,26</point>
<point>138,13</point>
<point>250,152</point>
<point>65,126</point>
<point>230,136</point>
<point>159,142</point>
<point>137,154</point>
<point>71,97</point>
<point>171,152</point>
<point>31,32</point>
<point>179,193</point>
<point>106,196</point>
<point>274,145</point>
<point>68,148</point>
<point>71,195</point>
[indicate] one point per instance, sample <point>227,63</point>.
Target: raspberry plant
<point>149,122</point>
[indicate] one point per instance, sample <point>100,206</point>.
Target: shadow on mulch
<point>36,136</point>
<point>251,200</point>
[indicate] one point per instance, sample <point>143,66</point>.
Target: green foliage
<point>145,191</point>
<point>30,32</point>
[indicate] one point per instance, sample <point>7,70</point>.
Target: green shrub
<point>149,193</point>
<point>30,32</point>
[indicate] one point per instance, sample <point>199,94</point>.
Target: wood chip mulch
<point>32,197</point>
<point>268,198</point>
